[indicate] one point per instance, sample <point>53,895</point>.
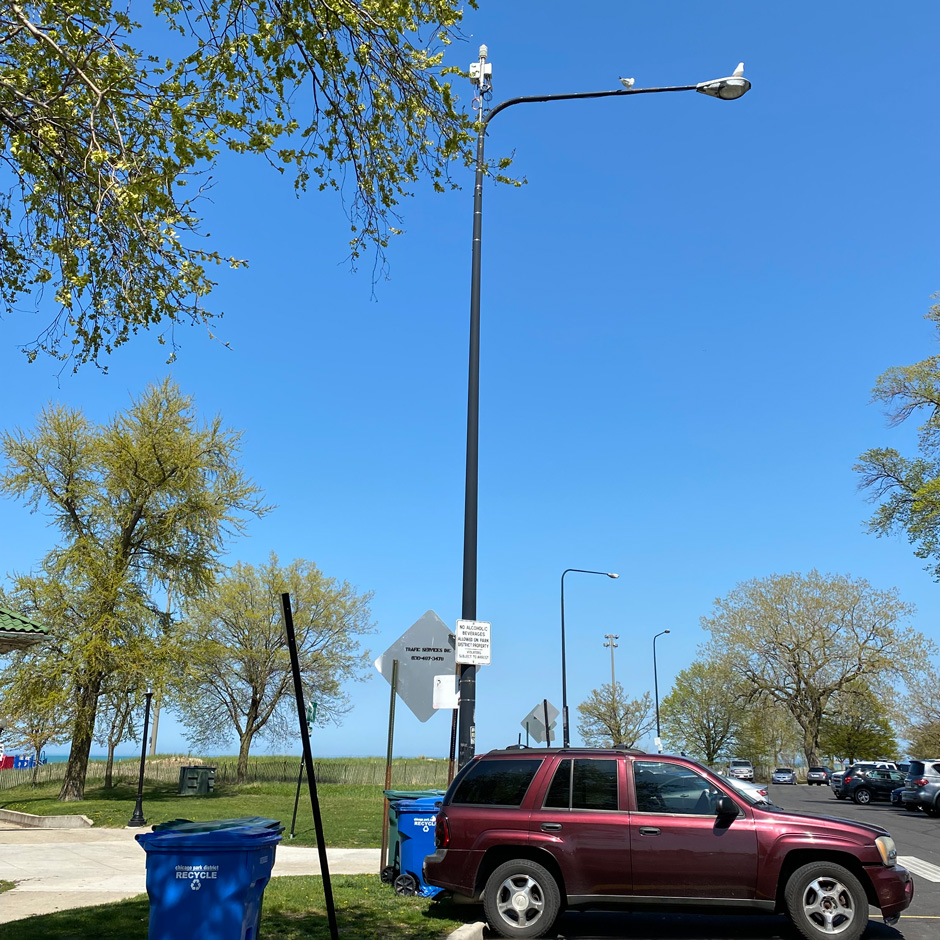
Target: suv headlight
<point>888,851</point>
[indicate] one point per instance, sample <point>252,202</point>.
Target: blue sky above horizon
<point>684,311</point>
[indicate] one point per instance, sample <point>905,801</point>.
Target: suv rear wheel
<point>521,899</point>
<point>825,900</point>
<point>862,796</point>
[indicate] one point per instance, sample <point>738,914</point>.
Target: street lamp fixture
<point>564,677</point>
<point>659,743</point>
<point>481,73</point>
<point>138,818</point>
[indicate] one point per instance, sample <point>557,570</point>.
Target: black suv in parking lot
<point>922,786</point>
<point>864,784</point>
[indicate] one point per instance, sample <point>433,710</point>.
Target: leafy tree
<point>923,713</point>
<point>238,676</point>
<point>36,712</point>
<point>150,495</point>
<point>115,722</point>
<point>108,129</point>
<point>799,640</point>
<point>608,717</point>
<point>701,714</point>
<point>767,735</point>
<point>908,489</point>
<point>858,726</point>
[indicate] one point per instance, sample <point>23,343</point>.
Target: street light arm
<point>619,92</point>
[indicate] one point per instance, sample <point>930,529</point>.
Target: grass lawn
<point>352,815</point>
<point>293,909</point>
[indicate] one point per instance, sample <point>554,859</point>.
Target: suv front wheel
<point>825,900</point>
<point>521,899</point>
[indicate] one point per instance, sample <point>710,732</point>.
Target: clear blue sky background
<point>684,312</point>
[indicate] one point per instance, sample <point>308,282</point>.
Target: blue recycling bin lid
<point>426,804</point>
<point>210,825</point>
<point>231,839</point>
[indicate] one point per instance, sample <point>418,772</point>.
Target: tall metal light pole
<point>564,676</point>
<point>138,818</point>
<point>728,88</point>
<point>610,637</point>
<point>659,743</point>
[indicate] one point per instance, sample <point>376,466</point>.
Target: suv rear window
<point>496,782</point>
<point>917,768</point>
<point>590,784</point>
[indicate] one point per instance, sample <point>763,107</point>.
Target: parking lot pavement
<point>58,869</point>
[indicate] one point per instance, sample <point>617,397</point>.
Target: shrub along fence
<point>407,772</point>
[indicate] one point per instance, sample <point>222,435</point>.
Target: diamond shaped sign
<point>423,651</point>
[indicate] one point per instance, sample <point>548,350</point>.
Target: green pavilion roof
<point>17,632</point>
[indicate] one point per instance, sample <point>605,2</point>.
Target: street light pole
<point>138,818</point>
<point>610,637</point>
<point>728,88</point>
<point>659,743</point>
<point>564,676</point>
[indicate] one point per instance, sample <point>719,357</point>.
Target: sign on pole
<point>473,642</point>
<point>423,651</point>
<point>534,722</point>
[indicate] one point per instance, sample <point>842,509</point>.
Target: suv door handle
<point>551,827</point>
<point>649,831</point>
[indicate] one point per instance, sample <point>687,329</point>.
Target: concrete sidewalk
<point>57,869</point>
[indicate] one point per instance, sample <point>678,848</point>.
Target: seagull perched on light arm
<point>739,71</point>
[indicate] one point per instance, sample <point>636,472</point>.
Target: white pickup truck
<point>740,769</point>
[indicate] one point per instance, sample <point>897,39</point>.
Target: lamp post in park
<point>138,817</point>
<point>728,88</point>
<point>659,743</point>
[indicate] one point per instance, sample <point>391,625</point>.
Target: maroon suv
<point>536,831</point>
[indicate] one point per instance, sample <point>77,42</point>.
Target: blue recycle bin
<point>416,824</point>
<point>209,883</point>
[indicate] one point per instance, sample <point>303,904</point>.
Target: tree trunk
<point>73,785</point>
<point>244,746</point>
<point>109,768</point>
<point>811,743</point>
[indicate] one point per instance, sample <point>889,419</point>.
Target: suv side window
<point>672,788</point>
<point>584,784</point>
<point>497,782</point>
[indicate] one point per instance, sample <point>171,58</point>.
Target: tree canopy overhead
<point>108,127</point>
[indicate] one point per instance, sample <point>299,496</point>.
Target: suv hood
<point>813,822</point>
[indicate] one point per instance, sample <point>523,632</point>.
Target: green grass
<point>6,886</point>
<point>293,909</point>
<point>352,815</point>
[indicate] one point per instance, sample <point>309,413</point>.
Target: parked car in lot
<point>922,786</point>
<point>863,784</point>
<point>740,769</point>
<point>836,780</point>
<point>818,776</point>
<point>835,783</point>
<point>756,790</point>
<point>783,775</point>
<point>535,831</point>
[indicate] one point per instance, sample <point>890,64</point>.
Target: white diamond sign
<point>423,651</point>
<point>534,722</point>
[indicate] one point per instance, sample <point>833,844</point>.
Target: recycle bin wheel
<point>388,874</point>
<point>406,884</point>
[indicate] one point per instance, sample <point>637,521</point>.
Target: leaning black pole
<point>308,764</point>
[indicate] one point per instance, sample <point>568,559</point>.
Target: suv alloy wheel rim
<point>519,900</point>
<point>827,903</point>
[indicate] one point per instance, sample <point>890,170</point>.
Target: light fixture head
<point>728,88</point>
<point>665,631</point>
<point>612,574</point>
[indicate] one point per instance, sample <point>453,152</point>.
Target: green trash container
<point>196,781</point>
<point>393,857</point>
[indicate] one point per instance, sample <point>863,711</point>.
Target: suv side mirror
<point>726,807</point>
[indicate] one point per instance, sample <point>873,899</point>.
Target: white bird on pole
<point>739,71</point>
<point>627,82</point>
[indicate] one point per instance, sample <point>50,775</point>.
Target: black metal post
<point>466,721</point>
<point>308,764</point>
<point>138,818</point>
<point>659,746</point>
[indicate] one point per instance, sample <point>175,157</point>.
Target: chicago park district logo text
<point>196,874</point>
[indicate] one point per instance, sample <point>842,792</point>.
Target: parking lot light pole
<point>728,88</point>
<point>659,743</point>
<point>564,676</point>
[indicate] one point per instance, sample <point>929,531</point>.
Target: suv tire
<point>932,810</point>
<point>825,900</point>
<point>521,899</point>
<point>862,796</point>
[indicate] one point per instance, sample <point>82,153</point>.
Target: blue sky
<point>684,312</point>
